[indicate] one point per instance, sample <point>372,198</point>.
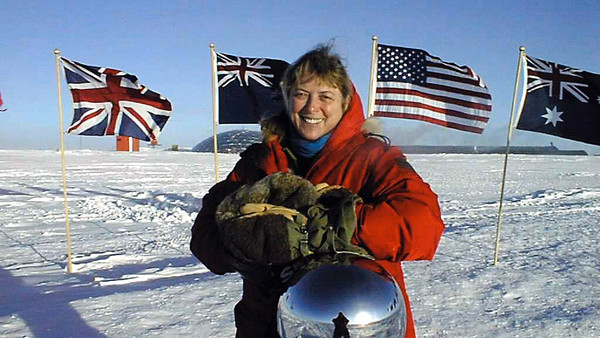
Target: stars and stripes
<point>561,101</point>
<point>248,88</point>
<point>111,102</point>
<point>413,84</point>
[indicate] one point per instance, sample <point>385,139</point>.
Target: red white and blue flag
<point>561,101</point>
<point>413,84</point>
<point>111,102</point>
<point>248,88</point>
<point>1,103</point>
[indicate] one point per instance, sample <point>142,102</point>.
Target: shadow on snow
<point>47,310</point>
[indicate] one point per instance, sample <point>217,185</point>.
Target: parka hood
<point>350,124</point>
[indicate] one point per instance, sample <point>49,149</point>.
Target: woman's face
<point>315,108</point>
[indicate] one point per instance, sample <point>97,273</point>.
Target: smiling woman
<point>315,108</point>
<point>375,204</point>
<point>317,91</point>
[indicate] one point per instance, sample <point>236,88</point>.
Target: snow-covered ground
<point>131,213</point>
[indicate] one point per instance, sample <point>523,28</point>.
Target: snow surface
<point>131,213</point>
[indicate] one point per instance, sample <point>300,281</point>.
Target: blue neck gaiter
<point>306,148</point>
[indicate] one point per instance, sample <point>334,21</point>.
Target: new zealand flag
<point>111,102</point>
<point>248,88</point>
<point>561,101</point>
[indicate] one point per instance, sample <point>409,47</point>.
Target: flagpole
<point>63,162</point>
<point>508,136</point>
<point>372,77</point>
<point>215,107</point>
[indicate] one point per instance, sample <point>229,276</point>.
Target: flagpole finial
<point>56,51</point>
<point>522,48</point>
<point>374,37</point>
<point>211,45</point>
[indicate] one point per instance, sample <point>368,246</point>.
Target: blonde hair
<point>323,64</point>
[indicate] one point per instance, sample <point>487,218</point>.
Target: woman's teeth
<point>311,120</point>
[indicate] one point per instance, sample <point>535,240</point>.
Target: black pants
<point>256,313</point>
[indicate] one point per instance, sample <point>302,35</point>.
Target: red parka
<point>398,220</point>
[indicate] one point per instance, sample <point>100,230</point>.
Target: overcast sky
<point>165,44</point>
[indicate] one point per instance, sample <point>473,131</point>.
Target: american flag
<point>413,84</point>
<point>111,102</point>
<point>248,88</point>
<point>561,101</point>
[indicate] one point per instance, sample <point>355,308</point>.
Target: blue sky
<point>165,44</point>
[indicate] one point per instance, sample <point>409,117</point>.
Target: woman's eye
<point>299,94</point>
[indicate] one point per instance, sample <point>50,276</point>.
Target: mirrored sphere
<point>359,300</point>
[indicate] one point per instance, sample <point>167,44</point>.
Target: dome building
<point>230,142</point>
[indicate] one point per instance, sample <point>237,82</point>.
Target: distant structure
<point>230,142</point>
<point>532,150</point>
<point>236,141</point>
<point>126,143</point>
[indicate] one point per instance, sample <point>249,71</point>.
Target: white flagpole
<point>63,162</point>
<point>215,106</point>
<point>372,77</point>
<point>508,136</point>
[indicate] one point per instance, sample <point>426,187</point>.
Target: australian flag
<point>561,101</point>
<point>248,88</point>
<point>111,102</point>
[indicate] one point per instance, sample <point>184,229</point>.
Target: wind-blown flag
<point>111,102</point>
<point>413,84</point>
<point>561,101</point>
<point>1,103</point>
<point>248,88</point>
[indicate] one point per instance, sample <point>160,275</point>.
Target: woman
<point>319,137</point>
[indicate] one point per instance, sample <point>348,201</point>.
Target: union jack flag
<point>557,78</point>
<point>111,102</point>
<point>248,88</point>
<point>561,101</point>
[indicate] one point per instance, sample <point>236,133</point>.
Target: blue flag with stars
<point>561,101</point>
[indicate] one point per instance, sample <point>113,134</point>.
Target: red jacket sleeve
<point>205,243</point>
<point>400,218</point>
